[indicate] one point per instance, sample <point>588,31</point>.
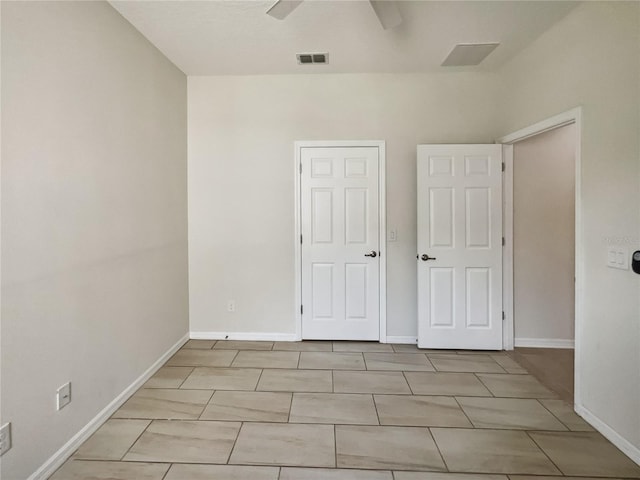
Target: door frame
<point>573,116</point>
<point>382,214</point>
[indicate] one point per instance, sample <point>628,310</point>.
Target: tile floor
<point>343,411</point>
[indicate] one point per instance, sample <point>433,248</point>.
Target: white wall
<point>543,237</point>
<point>241,179</point>
<point>591,58</point>
<point>94,245</point>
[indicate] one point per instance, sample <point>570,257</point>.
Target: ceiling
<point>230,37</point>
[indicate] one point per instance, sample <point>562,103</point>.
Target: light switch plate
<point>393,235</point>
<point>618,257</point>
<point>63,396</point>
<point>5,438</point>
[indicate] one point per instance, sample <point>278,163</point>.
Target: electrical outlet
<point>231,306</point>
<point>5,438</point>
<point>63,395</point>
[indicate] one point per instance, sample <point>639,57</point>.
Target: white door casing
<point>460,224</point>
<point>339,224</point>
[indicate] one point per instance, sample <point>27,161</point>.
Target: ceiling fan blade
<point>387,12</point>
<point>282,8</point>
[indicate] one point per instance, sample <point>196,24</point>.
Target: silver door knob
<point>373,254</point>
<point>426,257</point>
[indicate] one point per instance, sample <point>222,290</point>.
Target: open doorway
<point>542,281</point>
<point>544,256</point>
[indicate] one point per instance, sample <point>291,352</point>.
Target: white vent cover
<point>467,54</point>
<point>312,58</point>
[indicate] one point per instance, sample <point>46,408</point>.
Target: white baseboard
<point>610,434</point>
<point>57,459</point>
<point>544,343</point>
<point>258,336</point>
<point>396,339</point>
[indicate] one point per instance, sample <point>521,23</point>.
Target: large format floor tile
<point>90,470</point>
<point>370,382</point>
<point>508,363</point>
<point>295,381</point>
<point>564,412</point>
<point>586,454</point>
<point>401,448</point>
<point>398,361</point>
<point>266,359</point>
<point>510,413</point>
<point>361,347</point>
<point>185,442</point>
<point>426,383</point>
<point>156,403</point>
<point>516,386</point>
<point>242,345</point>
<point>331,361</point>
<point>200,344</point>
<point>452,476</point>
<point>169,377</point>
<point>307,346</point>
<point>202,358</point>
<point>285,444</point>
<point>333,408</point>
<point>428,411</point>
<point>293,473</point>
<point>223,472</point>
<point>223,378</point>
<point>465,363</point>
<point>112,440</point>
<point>491,451</point>
<point>248,406</point>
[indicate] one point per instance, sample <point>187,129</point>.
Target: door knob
<point>426,257</point>
<point>373,254</point>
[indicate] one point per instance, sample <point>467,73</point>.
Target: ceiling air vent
<point>312,58</point>
<point>467,54</point>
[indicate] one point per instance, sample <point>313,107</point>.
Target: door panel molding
<point>353,169</point>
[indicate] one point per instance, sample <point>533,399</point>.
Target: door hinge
<point>300,239</point>
<point>503,317</point>
<point>301,309</point>
<point>503,166</point>
<point>503,241</point>
<point>300,168</point>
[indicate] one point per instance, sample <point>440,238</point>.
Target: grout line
<point>553,414</point>
<point>335,446</point>
<point>234,443</point>
<point>298,364</point>
<point>135,441</point>
<point>255,389</point>
<point>167,472</point>
<point>404,374</point>
<point>455,398</point>
<point>375,405</point>
<point>528,434</point>
<point>185,378</point>
<point>438,448</point>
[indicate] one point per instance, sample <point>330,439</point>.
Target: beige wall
<point>241,179</point>
<point>591,59</point>
<point>94,252</point>
<point>543,237</point>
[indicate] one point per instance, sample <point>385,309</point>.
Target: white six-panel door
<point>460,246</point>
<point>339,220</point>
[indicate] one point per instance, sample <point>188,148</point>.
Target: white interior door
<point>460,246</point>
<point>340,243</point>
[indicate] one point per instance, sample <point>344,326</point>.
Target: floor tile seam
<point>484,384</point>
<point>149,422</point>
<point>528,433</point>
<point>554,415</point>
<point>433,438</point>
<point>235,441</point>
<point>167,471</point>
